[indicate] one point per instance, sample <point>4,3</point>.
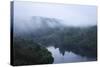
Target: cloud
<point>75,15</point>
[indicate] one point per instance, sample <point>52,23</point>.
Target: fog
<point>73,15</point>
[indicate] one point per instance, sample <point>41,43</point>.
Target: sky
<point>75,15</point>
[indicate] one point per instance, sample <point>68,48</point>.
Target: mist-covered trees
<point>80,40</point>
<point>84,42</point>
<point>29,44</point>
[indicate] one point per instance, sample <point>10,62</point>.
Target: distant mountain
<point>45,22</point>
<point>35,24</point>
<point>50,31</point>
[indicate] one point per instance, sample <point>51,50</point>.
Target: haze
<point>74,15</point>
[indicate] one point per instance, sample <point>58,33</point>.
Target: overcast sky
<point>71,14</point>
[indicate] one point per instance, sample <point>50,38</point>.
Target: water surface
<point>67,56</point>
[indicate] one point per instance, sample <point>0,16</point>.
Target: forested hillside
<point>83,40</point>
<point>30,42</point>
<point>26,52</point>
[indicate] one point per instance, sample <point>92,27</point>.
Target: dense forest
<point>82,41</point>
<point>27,52</point>
<point>29,45</point>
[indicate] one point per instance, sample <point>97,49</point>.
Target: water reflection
<point>62,56</point>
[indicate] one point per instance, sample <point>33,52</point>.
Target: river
<point>66,57</point>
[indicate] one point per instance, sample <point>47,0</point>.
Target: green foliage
<point>85,42</point>
<point>30,49</point>
<point>82,41</point>
<point>27,52</point>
